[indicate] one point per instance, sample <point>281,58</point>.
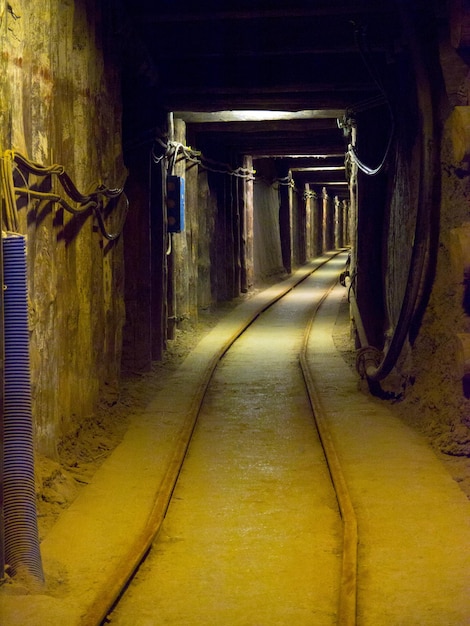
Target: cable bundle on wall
<point>309,195</point>
<point>380,99</point>
<point>173,148</point>
<point>96,200</point>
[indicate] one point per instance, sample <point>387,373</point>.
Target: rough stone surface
<point>435,401</point>
<point>60,103</point>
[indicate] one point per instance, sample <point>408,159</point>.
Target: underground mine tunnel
<point>161,164</point>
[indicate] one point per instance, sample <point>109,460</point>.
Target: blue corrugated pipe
<point>22,552</point>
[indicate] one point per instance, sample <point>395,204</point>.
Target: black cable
<point>420,267</point>
<point>172,148</point>
<point>352,152</point>
<point>92,201</point>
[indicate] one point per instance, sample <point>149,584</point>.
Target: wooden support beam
<point>280,98</point>
<point>328,9</point>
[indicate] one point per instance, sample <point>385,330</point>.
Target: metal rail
<point>109,595</point>
<point>348,585</point>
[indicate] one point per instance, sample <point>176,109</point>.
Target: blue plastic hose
<point>22,552</point>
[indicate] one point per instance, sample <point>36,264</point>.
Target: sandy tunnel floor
<point>60,481</point>
<point>253,535</point>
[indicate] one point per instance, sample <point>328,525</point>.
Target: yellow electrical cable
<point>91,201</point>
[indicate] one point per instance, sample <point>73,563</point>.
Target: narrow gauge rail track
<point>321,279</point>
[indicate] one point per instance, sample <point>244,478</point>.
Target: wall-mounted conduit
<point>21,532</point>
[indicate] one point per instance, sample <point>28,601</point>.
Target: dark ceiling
<point>322,57</point>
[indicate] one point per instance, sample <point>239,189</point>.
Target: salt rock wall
<point>438,402</point>
<point>266,235</point>
<point>207,211</point>
<point>434,362</point>
<point>60,103</point>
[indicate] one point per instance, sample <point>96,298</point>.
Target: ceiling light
<point>204,117</point>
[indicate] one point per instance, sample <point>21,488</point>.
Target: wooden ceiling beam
<point>279,149</point>
<point>288,101</point>
<point>329,9</point>
<point>325,161</point>
<point>321,178</point>
<point>293,53</point>
<point>272,89</point>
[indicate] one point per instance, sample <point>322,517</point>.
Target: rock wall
<point>427,175</point>
<point>207,210</point>
<point>436,402</point>
<point>266,235</point>
<point>60,103</point>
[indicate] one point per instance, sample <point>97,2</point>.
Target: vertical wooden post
<point>345,219</point>
<point>325,242</point>
<point>246,228</point>
<point>328,222</point>
<point>317,225</point>
<point>171,293</point>
<point>222,271</point>
<point>170,253</point>
<point>302,222</point>
<point>193,231</point>
<point>339,238</point>
<point>285,219</point>
<point>158,258</point>
<point>236,235</point>
<point>227,236</point>
<point>308,221</point>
